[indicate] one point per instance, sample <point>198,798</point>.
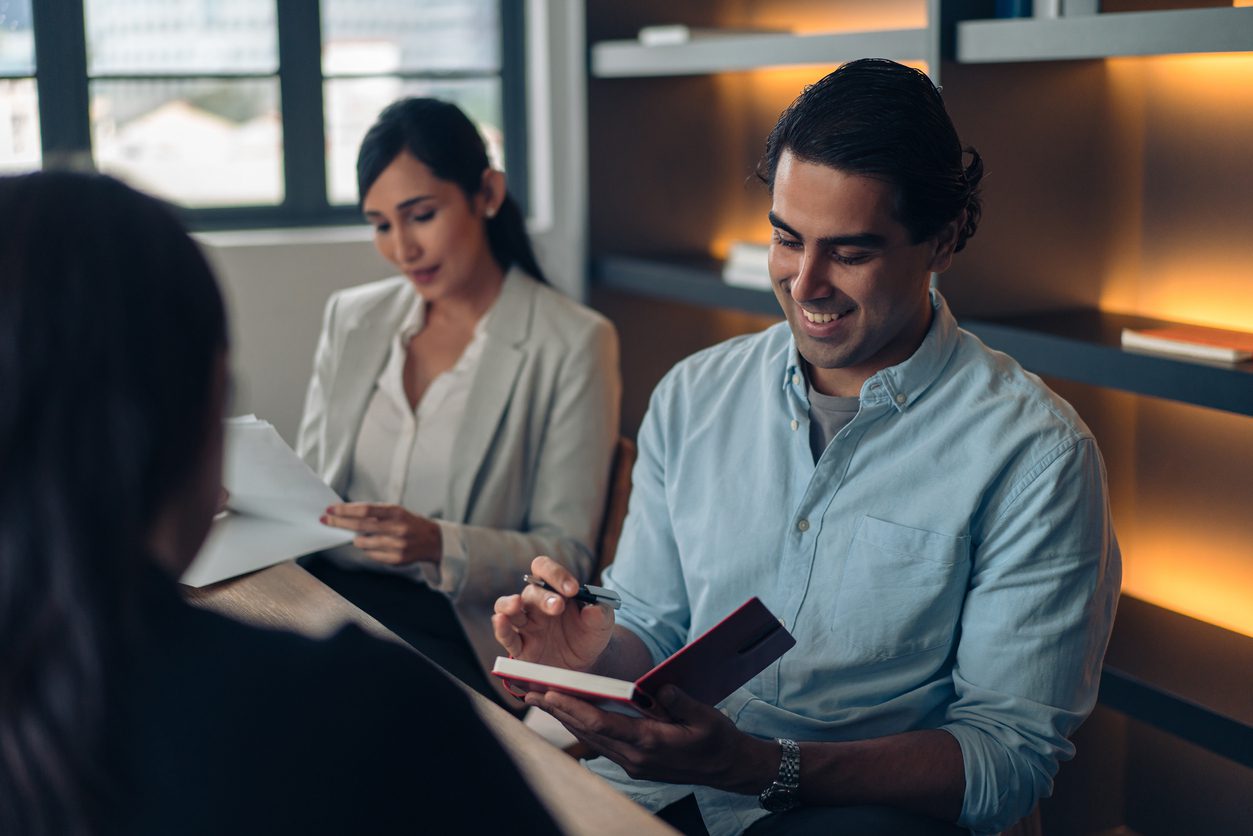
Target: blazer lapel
<point>492,389</point>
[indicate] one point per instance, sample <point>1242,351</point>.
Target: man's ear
<point>492,188</point>
<point>945,243</point>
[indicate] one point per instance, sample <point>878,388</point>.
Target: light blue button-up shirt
<point>949,561</point>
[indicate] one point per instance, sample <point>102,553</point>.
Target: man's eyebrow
<point>404,204</point>
<point>869,240</point>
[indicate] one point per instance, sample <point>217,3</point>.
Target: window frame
<point>62,86</point>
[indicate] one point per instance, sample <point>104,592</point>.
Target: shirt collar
<point>905,382</point>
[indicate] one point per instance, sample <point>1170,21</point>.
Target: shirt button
<point>795,424</point>
<point>802,525</point>
<point>796,379</point>
<point>901,398</point>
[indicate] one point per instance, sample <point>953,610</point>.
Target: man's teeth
<point>820,317</point>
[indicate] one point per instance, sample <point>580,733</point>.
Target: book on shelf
<point>708,669</point>
<point>676,34</point>
<point>748,265</point>
<point>273,511</point>
<point>1192,342</point>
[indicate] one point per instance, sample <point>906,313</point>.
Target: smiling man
<point>927,518</point>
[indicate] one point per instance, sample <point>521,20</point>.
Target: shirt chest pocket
<point>901,592</point>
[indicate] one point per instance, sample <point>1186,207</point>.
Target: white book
<point>274,507</point>
<point>1192,342</point>
<point>747,277</point>
<point>748,265</point>
<point>675,34</point>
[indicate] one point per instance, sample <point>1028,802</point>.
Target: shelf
<point>1181,675</point>
<point>726,53</point>
<point>1105,35</point>
<point>1084,346</point>
<point>694,280</point>
<point>1079,345</point>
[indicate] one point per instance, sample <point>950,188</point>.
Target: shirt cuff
<point>449,575</point>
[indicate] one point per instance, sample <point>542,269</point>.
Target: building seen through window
<point>186,98</point>
<point>19,99</point>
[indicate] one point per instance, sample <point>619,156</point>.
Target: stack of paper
<point>748,265</point>
<point>273,511</point>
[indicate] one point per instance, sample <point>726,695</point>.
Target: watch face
<point>776,798</point>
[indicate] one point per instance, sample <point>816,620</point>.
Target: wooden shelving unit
<point>1105,35</point>
<point>1163,669</point>
<point>1079,345</point>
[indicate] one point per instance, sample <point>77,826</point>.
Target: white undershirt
<point>403,456</point>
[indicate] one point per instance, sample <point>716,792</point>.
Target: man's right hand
<point>542,626</point>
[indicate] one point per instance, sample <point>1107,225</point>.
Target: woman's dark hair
<point>881,119</point>
<point>443,138</point>
<point>111,327</point>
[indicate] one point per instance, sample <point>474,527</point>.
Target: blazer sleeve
<point>311,438</point>
<point>571,479</point>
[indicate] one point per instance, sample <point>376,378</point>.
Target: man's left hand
<point>697,746</point>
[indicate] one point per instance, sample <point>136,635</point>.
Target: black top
<point>234,729</point>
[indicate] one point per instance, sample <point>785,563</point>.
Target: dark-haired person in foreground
<point>122,709</point>
<point>465,409</point>
<point>928,519</point>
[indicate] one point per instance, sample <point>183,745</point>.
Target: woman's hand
<point>542,626</point>
<point>388,533</point>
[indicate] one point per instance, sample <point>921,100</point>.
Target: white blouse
<point>403,456</point>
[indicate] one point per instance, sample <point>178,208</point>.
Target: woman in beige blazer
<point>465,410</point>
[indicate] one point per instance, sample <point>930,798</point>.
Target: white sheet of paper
<point>275,504</point>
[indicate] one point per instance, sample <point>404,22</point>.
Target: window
<point>19,100</point>
<point>247,112</point>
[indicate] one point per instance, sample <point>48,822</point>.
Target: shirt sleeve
<point>647,572</point>
<point>1036,621</point>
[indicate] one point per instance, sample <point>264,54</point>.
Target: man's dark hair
<point>881,119</point>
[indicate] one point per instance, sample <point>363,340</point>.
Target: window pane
<point>197,143</point>
<point>188,36</point>
<point>352,105</point>
<point>17,38</point>
<point>19,126</point>
<point>361,37</point>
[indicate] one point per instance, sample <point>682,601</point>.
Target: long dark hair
<point>111,326</point>
<point>882,119</point>
<point>443,138</point>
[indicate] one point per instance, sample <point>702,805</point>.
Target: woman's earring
<point>491,212</point>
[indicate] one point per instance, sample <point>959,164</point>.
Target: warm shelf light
<point>1184,253</point>
<point>846,16</point>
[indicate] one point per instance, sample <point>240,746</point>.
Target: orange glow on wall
<point>1181,486</point>
<point>1189,126</point>
<point>1176,563</point>
<point>822,16</point>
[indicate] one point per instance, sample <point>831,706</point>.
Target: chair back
<point>615,505</point>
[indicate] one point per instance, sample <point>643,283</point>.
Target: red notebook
<point>708,669</point>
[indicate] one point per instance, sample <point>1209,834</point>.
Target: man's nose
<point>811,281</point>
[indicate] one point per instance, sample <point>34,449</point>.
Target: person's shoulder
<point>353,304</point>
<point>1003,388</point>
<point>556,315</point>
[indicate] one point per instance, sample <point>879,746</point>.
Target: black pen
<point>587,593</point>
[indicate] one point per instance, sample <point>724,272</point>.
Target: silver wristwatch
<point>784,793</point>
